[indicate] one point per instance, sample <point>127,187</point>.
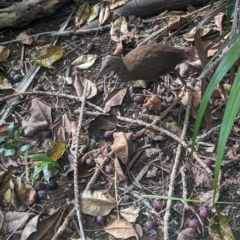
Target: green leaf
<point>10,128</point>
<point>231,111</point>
<point>2,139</point>
<point>227,62</point>
<point>17,134</point>
<point>37,170</point>
<point>9,153</point>
<point>9,145</point>
<point>45,159</point>
<point>25,148</point>
<point>46,173</point>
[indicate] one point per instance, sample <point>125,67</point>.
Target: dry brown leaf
<point>118,169</point>
<point>96,203</point>
<point>40,118</point>
<point>85,61</point>
<point>189,36</point>
<point>122,145</point>
<point>201,178</point>
<point>219,21</point>
<point>4,53</point>
<point>23,195</point>
<point>187,234</point>
<point>179,22</point>
<point>24,38</point>
<point>82,14</point>
<point>80,83</point>
<point>153,103</point>
<point>120,229</point>
<point>114,98</point>
<point>49,225</point>
<point>30,227</point>
<point>104,122</point>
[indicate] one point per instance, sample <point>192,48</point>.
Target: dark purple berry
<point>101,220</point>
<point>17,78</point>
<point>52,185</point>
<point>194,223</point>
<point>204,212</point>
<point>157,205</point>
<point>46,133</point>
<point>109,169</point>
<point>145,111</point>
<point>156,28</point>
<point>39,185</point>
<point>209,162</point>
<point>90,47</point>
<point>149,225</point>
<point>39,88</point>
<point>176,112</point>
<point>41,194</point>
<point>133,89</point>
<point>90,162</point>
<point>108,135</point>
<point>236,151</point>
<point>139,99</point>
<point>74,73</point>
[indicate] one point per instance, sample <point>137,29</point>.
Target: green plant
<point>9,143</point>
<point>232,106</point>
<point>42,164</point>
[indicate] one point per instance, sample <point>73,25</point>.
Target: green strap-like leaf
<point>231,57</point>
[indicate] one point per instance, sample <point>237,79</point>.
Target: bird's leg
<point>155,86</point>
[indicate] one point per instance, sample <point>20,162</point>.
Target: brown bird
<point>146,62</point>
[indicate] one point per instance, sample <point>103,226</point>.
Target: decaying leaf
<point>219,228</point>
<point>207,198</point>
<point>153,103</point>
<point>30,227</point>
<point>82,14</point>
<point>187,234</point>
<point>85,61</point>
<point>201,177</point>
<point>96,203</point>
<point>172,127</point>
<point>119,29</point>
<point>104,13</point>
<point>4,53</point>
<point>24,38</point>
<point>114,98</point>
<point>123,145</point>
<point>94,10</point>
<point>104,122</point>
<point>121,229</point>
<point>46,55</point>
<point>80,83</point>
<point>40,118</point>
<point>56,150</point>
<point>23,195</point>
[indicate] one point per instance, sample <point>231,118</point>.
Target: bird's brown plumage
<point>146,62</point>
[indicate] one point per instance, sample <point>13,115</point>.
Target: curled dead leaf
<point>82,14</point>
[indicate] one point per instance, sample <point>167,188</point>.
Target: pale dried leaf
<point>189,36</point>
<point>104,13</point>
<point>30,228</point>
<point>24,38</point>
<point>94,10</point>
<point>4,53</point>
<point>82,14</point>
<point>117,3</point>
<point>119,30</point>
<point>130,214</point>
<point>85,61</point>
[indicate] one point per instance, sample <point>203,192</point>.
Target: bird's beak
<point>100,74</point>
